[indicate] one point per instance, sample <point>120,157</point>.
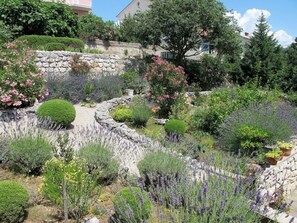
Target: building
<point>80,7</point>
<point>133,7</point>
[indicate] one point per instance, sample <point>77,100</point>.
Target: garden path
<point>293,197</point>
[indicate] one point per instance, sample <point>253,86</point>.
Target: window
<point>167,55</point>
<point>205,47</point>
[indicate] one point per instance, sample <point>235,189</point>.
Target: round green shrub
<point>132,200</point>
<point>13,202</point>
<point>100,162</point>
<point>55,47</point>
<point>122,114</point>
<point>175,127</point>
<point>60,112</point>
<point>28,154</point>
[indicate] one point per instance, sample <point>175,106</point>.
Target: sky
<point>281,14</point>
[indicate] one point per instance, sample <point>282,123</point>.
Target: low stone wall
<point>284,175</point>
<point>58,62</point>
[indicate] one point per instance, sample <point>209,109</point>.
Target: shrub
<point>39,42</point>
<point>55,47</point>
<point>248,129</point>
<point>100,162</point>
<point>28,154</point>
<point>90,27</point>
<point>59,111</point>
<point>79,185</point>
<point>13,202</point>
<point>122,114</point>
<point>132,205</point>
<point>21,82</point>
<point>133,81</point>
<point>5,33</point>
<point>141,113</point>
<point>159,165</point>
<point>175,128</point>
<point>78,66</point>
<point>223,102</point>
<point>166,81</point>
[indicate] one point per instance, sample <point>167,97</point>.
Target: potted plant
<point>273,156</point>
<point>285,147</point>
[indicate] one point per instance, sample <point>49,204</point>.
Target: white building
<point>133,7</point>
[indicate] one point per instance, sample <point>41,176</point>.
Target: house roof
<point>126,7</point>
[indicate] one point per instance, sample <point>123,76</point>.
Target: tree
<point>182,25</point>
<point>90,27</point>
<point>263,60</point>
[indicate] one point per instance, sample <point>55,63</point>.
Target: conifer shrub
<point>60,112</point>
<point>132,205</point>
<point>13,202</point>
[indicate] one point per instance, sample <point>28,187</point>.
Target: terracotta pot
<point>271,161</point>
<point>286,152</point>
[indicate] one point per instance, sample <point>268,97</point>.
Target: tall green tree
<point>182,25</point>
<point>263,59</point>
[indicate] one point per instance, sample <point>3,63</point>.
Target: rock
<point>160,121</point>
<point>92,220</point>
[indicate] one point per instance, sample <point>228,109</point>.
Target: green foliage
<point>27,17</point>
<point>21,81</point>
<point>122,114</point>
<point>79,185</point>
<point>55,47</point>
<point>129,31</point>
<point>141,113</point>
<point>78,66</point>
<point>175,127</point>
<point>40,42</point>
<point>100,163</point>
<point>262,59</point>
<point>5,33</point>
<point>133,81</point>
<point>179,110</point>
<point>223,102</point>
<point>28,154</point>
<point>275,154</point>
<point>133,201</point>
<point>13,202</point>
<point>60,112</point>
<point>90,27</point>
<point>160,164</point>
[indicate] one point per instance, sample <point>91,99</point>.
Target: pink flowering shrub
<point>166,82</point>
<point>78,66</point>
<point>21,81</point>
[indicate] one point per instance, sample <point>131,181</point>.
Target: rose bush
<point>21,81</point>
<point>166,82</point>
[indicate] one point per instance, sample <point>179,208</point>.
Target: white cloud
<point>283,38</point>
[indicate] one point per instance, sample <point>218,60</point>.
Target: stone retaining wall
<point>58,62</point>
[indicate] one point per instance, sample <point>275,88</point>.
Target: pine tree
<point>262,60</point>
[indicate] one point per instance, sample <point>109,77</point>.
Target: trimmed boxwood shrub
<point>122,114</point>
<point>37,42</point>
<point>100,162</point>
<point>175,128</point>
<point>29,154</point>
<point>60,112</point>
<point>55,47</point>
<point>132,205</point>
<point>13,202</point>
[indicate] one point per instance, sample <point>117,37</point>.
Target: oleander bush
<point>13,203</point>
<point>122,114</point>
<point>100,162</point>
<point>28,154</point>
<point>175,128</point>
<point>21,81</point>
<point>249,129</point>
<point>78,66</point>
<point>60,112</point>
<point>131,204</point>
<point>55,47</point>
<point>158,165</point>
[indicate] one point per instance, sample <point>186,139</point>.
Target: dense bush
<point>78,66</point>
<point>60,112</point>
<point>132,205</point>
<point>90,27</point>
<point>55,47</point>
<point>73,88</point>
<point>40,42</point>
<point>28,154</point>
<point>133,81</point>
<point>222,102</point>
<point>166,82</point>
<point>100,163</point>
<point>13,202</point>
<point>79,185</point>
<point>5,33</point>
<point>158,165</point>
<point>122,114</point>
<point>175,128</point>
<point>21,82</point>
<point>249,128</point>
<point>141,113</point>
